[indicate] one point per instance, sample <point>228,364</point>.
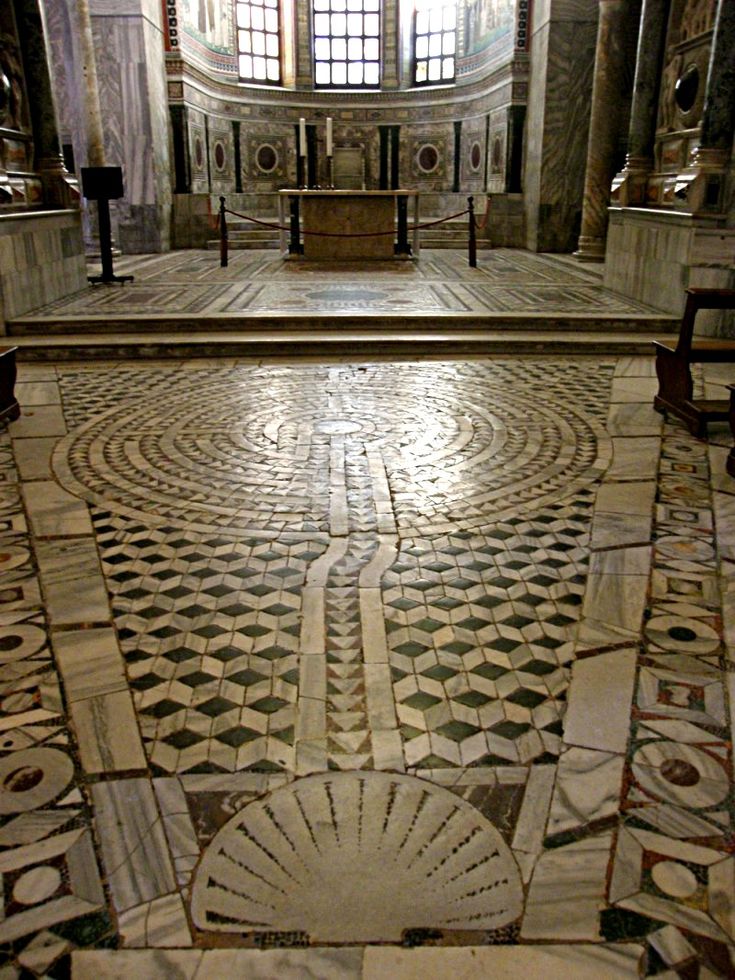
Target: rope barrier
<point>346,234</point>
<point>480,225</point>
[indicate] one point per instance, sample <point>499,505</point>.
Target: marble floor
<point>364,669</point>
<point>259,282</point>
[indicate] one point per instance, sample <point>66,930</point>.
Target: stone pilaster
<point>608,105</point>
<point>629,186</point>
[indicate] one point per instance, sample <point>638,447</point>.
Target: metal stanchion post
<point>222,234</point>
<point>473,234</point>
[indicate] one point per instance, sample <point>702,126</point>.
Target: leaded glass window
<point>435,41</point>
<point>259,41</point>
<point>346,43</point>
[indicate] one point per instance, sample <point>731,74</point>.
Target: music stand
<point>103,184</point>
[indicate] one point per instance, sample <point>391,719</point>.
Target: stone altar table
<point>348,212</point>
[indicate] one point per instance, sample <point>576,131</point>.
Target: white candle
<point>329,136</point>
<point>302,137</point>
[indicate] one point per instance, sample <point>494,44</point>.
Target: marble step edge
<point>80,323</point>
<point>344,343</point>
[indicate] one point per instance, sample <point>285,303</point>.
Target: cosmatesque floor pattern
<point>261,281</point>
<point>364,670</point>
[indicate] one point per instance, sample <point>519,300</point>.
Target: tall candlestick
<point>302,137</point>
<point>329,136</point>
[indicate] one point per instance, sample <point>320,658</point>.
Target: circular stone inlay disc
<point>674,879</point>
<point>37,885</point>
<point>32,778</point>
<point>357,857</point>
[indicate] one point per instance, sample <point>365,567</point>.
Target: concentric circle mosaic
<point>249,450</point>
<point>422,857</point>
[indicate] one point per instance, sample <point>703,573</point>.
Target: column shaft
<point>608,94</point>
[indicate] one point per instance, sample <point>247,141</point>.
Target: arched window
<point>346,43</point>
<point>435,41</point>
<point>259,41</point>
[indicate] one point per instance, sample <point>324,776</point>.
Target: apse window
<point>259,41</point>
<point>346,43</point>
<point>435,41</point>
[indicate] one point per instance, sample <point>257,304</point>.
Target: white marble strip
<point>107,733</point>
<point>52,511</point>
<point>599,701</point>
<point>371,575</point>
<point>531,824</point>
<point>374,639</point>
<point>319,570</point>
<point>312,638</point>
<point>134,848</point>
<point>567,892</point>
<point>90,662</point>
<point>588,788</point>
<point>73,585</point>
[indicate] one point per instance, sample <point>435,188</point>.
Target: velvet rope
<point>346,234</point>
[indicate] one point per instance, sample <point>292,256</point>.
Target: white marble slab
<point>599,701</point>
<point>567,892</point>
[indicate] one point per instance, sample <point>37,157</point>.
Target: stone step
<point>356,324</point>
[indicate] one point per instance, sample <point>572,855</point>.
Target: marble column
<point>95,135</point>
<point>59,188</point>
<point>608,96</point>
<point>629,186</point>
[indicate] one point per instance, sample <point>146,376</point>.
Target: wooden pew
<point>673,363</point>
<point>9,407</point>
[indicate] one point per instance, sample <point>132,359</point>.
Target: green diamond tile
<point>458,731</point>
<point>490,671</point>
<point>439,672</point>
<point>421,700</point>
<point>457,646</point>
<point>411,649</point>
<point>268,705</point>
<point>215,706</point>
<point>428,625</point>
<point>527,698</point>
<point>238,736</point>
<point>472,699</point>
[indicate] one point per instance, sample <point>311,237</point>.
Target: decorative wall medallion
<point>198,152</point>
<point>423,858</point>
<point>220,157</point>
<point>475,156</point>
<point>427,158</point>
<point>266,158</point>
<point>497,154</point>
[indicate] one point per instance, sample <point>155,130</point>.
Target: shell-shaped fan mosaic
<point>357,857</point>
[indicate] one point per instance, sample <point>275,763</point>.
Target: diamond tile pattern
<point>210,629</point>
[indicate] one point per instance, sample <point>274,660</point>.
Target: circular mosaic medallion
<point>32,778</point>
<point>220,157</point>
<point>21,641</point>
<point>682,635</point>
<point>681,774</point>
<point>357,857</point>
<point>247,449</point>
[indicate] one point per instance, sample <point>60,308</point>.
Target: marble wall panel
<point>132,98</point>
<point>41,259</point>
<point>562,62</point>
<point>653,257</point>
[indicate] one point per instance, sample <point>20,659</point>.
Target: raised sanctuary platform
<point>348,224</point>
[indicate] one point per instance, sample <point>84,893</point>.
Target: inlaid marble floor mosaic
<point>440,282</point>
<point>364,670</point>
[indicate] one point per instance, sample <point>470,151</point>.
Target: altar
<point>348,224</point>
